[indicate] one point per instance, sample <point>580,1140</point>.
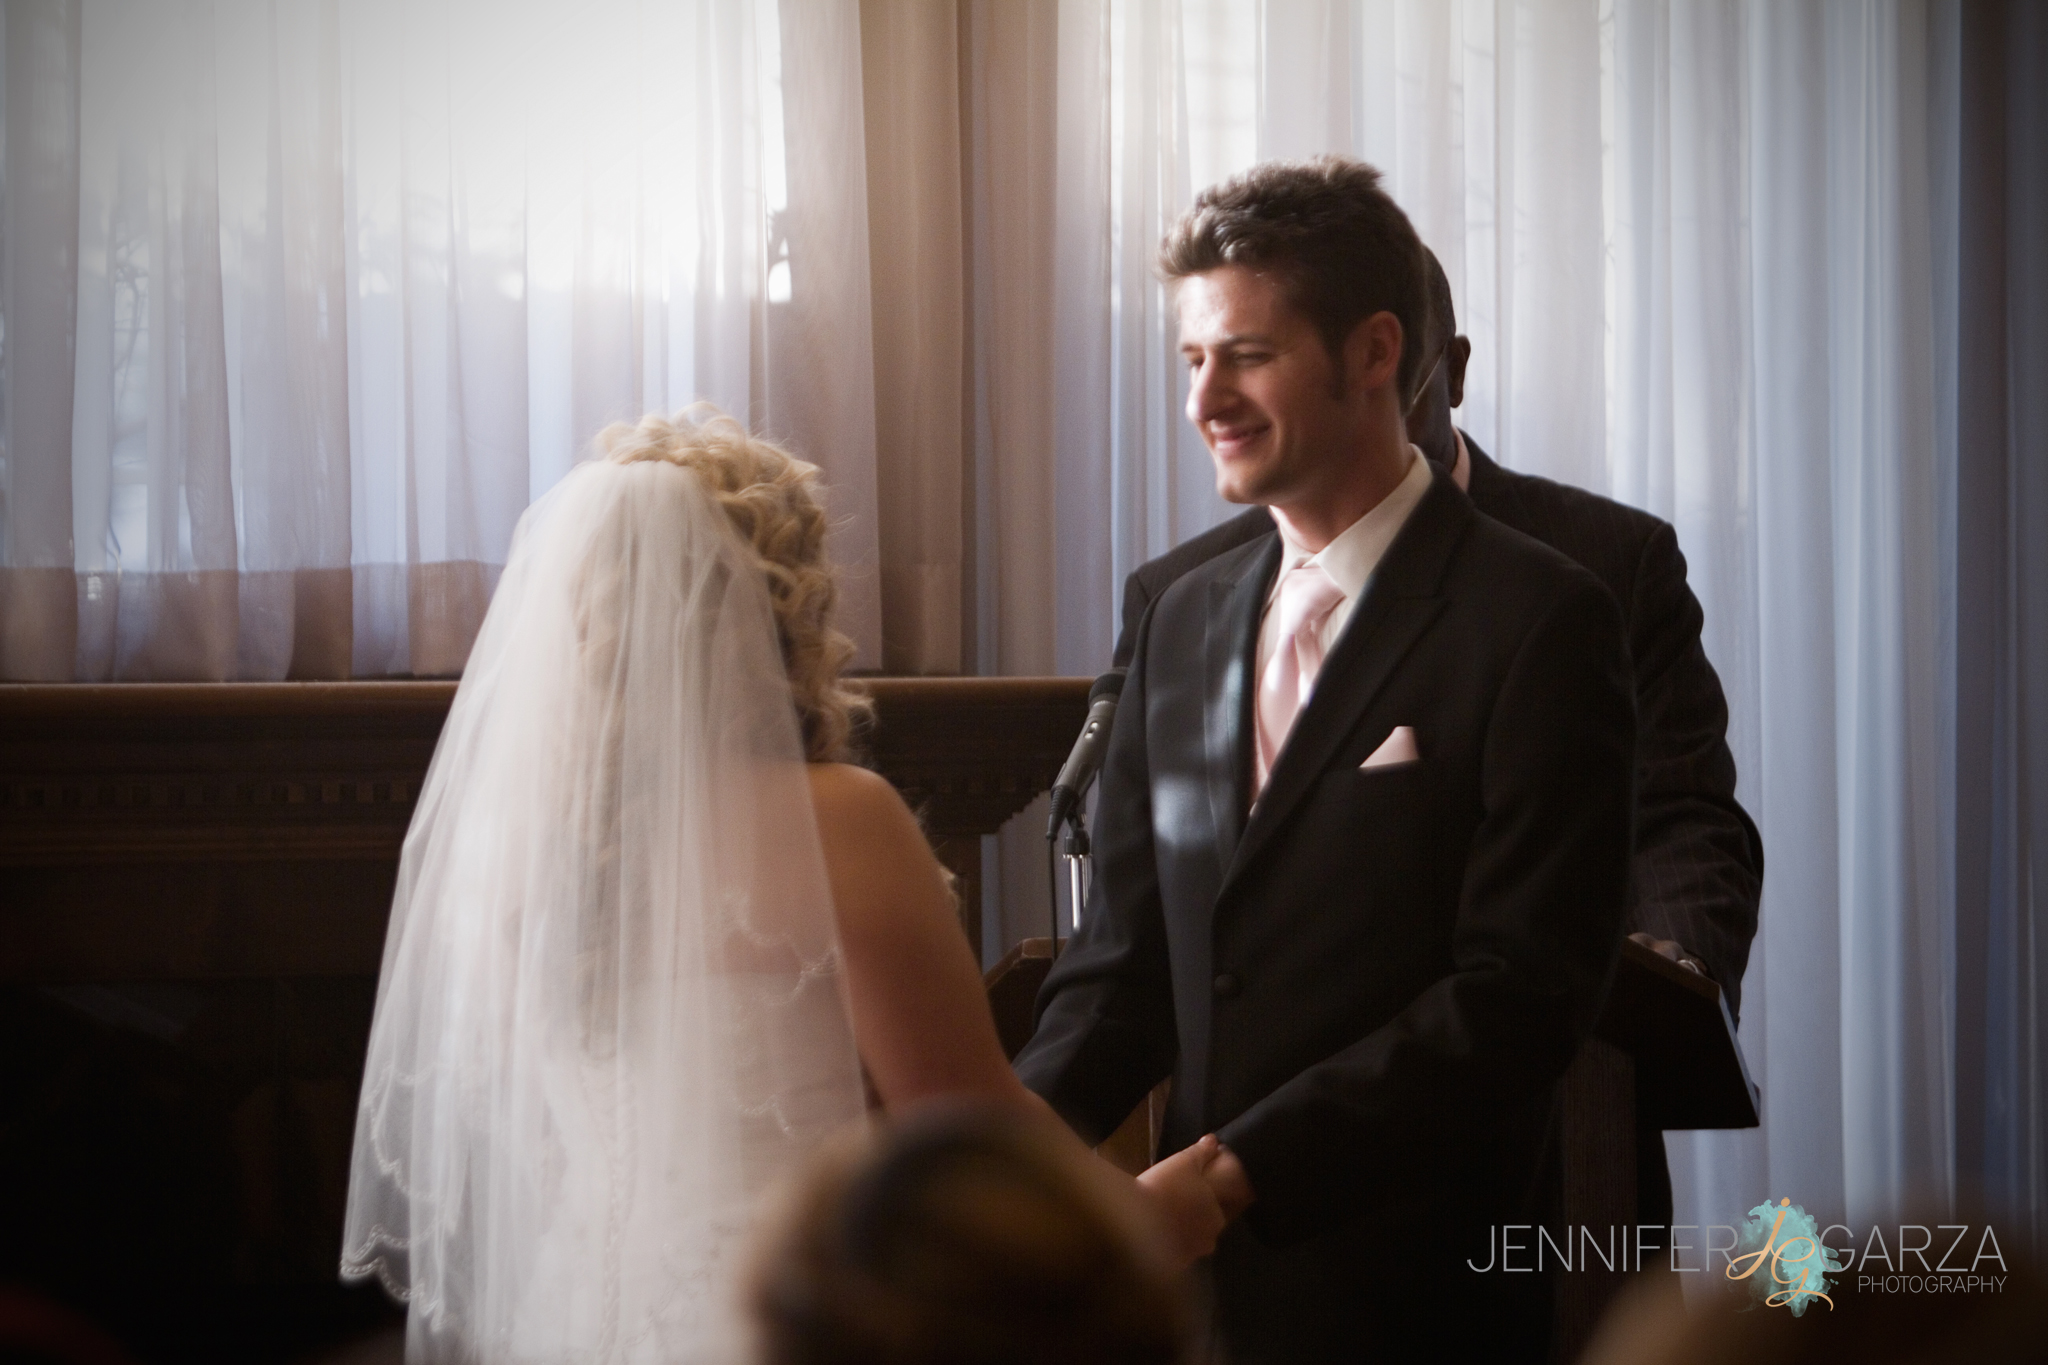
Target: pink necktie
<point>1307,597</point>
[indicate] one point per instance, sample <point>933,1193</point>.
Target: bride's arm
<point>919,1014</point>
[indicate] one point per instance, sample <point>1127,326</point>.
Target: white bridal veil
<point>610,1009</point>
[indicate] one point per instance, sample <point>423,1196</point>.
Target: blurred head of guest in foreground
<point>966,1236</point>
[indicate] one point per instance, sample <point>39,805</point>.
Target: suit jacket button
<point>1227,986</point>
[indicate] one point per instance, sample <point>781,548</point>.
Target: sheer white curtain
<point>340,288</point>
<point>1707,255</point>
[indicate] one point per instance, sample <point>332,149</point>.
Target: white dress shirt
<point>1349,560</point>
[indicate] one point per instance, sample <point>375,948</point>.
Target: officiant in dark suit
<point>1697,874</point>
<point>1363,839</point>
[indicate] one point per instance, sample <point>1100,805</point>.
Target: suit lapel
<point>1403,597</point>
<point>1231,642</point>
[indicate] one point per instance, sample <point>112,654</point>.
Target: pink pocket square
<point>1399,748</point>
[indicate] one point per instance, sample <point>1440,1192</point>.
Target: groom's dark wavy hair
<point>1340,246</point>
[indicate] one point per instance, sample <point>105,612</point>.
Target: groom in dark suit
<point>1363,839</point>
<point>1697,873</point>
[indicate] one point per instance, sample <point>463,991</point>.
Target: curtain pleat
<point>1012,129</point>
<point>916,216</point>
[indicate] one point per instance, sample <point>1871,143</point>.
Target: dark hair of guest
<point>1340,246</point>
<point>968,1237</point>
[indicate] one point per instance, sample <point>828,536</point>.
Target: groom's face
<point>1262,388</point>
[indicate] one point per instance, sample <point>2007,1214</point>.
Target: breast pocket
<point>1372,834</point>
<point>1385,811</point>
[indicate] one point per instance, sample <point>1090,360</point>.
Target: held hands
<point>1196,1193</point>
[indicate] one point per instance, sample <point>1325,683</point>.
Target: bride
<point>648,925</point>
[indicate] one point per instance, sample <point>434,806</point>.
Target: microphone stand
<point>1080,858</point>
<point>1080,863</point>
<point>1070,795</point>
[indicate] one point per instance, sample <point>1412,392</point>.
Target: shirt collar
<point>1350,559</point>
<point>1461,471</point>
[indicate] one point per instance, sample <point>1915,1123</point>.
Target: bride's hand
<point>1232,1186</point>
<point>1184,1201</point>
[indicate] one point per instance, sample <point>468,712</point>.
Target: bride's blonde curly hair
<point>773,500</point>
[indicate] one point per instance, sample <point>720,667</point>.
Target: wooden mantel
<point>152,831</point>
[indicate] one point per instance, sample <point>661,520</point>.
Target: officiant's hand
<point>1185,1201</point>
<point>1666,948</point>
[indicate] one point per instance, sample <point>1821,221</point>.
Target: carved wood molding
<point>148,772</point>
<point>181,772</point>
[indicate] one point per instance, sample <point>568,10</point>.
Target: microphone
<point>1082,763</point>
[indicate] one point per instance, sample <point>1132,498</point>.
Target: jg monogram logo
<point>1800,1264</point>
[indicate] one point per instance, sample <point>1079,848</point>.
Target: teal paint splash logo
<point>1788,1238</point>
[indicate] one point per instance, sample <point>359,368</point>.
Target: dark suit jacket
<point>1698,867</point>
<point>1369,987</point>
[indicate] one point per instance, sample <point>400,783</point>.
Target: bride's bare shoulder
<point>875,851</point>
<point>850,788</point>
<point>854,801</point>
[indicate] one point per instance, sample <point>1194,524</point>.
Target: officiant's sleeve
<point>1698,873</point>
<point>1105,1032</point>
<point>1538,925</point>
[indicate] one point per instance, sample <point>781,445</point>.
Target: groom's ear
<point>1372,355</point>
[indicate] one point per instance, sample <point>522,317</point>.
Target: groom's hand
<point>1185,1202</point>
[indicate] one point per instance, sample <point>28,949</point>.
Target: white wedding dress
<point>610,1012</point>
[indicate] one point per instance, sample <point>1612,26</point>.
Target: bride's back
<point>642,922</point>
